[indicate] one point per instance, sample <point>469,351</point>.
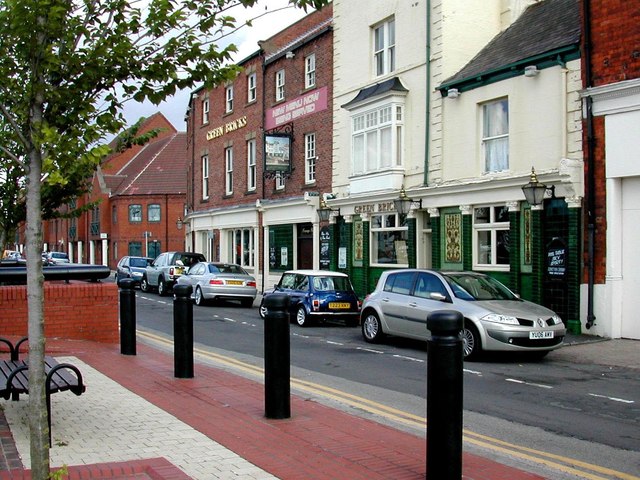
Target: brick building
<point>611,97</point>
<point>278,107</point>
<point>142,189</point>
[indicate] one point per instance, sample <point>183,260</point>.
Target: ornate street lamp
<point>534,191</point>
<point>403,203</point>
<point>179,223</point>
<point>324,210</point>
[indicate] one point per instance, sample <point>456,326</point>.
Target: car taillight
<point>171,271</point>
<point>316,305</point>
<point>251,284</point>
<point>215,281</point>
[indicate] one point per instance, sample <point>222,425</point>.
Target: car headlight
<point>497,318</point>
<point>556,319</point>
<point>136,274</point>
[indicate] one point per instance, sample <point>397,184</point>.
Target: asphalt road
<point>590,413</point>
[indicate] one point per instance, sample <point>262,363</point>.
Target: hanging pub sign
<point>277,152</point>
<point>557,258</point>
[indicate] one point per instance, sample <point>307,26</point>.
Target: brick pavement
<point>213,426</point>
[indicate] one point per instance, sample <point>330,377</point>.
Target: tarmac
<point>137,421</point>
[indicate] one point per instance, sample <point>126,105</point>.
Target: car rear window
<point>328,284</point>
<point>138,262</point>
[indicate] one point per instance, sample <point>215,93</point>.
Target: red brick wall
<point>615,40</point>
<point>77,310</point>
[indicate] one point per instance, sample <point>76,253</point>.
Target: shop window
<point>389,240</point>
<point>242,244</point>
<point>135,249</point>
<point>491,237</point>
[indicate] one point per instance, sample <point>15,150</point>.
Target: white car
<point>494,317</point>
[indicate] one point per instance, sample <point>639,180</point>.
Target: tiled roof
<point>159,168</point>
<point>542,28</point>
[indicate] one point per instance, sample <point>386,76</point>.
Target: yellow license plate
<point>339,305</point>
<point>234,282</point>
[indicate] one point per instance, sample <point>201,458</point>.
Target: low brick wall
<point>75,310</point>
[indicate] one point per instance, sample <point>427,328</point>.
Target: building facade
<point>261,154</point>
<point>611,101</point>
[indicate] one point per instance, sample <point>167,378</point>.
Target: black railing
<point>15,273</point>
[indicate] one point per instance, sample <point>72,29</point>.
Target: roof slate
<point>158,169</point>
<point>543,27</point>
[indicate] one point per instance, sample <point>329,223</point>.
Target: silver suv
<point>165,270</point>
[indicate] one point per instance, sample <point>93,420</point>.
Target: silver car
<point>214,280</point>
<point>494,317</point>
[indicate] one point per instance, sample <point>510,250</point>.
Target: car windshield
<point>139,262</point>
<point>235,269</point>
<point>476,287</point>
<point>329,283</point>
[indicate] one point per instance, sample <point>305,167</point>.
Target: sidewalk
<point>136,421</point>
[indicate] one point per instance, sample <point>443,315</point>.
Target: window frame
<point>310,158</point>
<point>252,87</point>
<point>228,170</point>
<point>154,206</point>
<point>205,111</point>
<point>391,230</point>
<point>279,181</point>
<point>242,247</point>
<point>492,227</point>
<point>491,138</point>
<point>384,55</point>
<point>205,177</point>
<point>310,71</point>
<point>228,105</point>
<point>280,82</point>
<point>251,165</point>
<point>131,212</point>
<point>377,138</point>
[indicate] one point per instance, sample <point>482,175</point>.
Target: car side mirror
<point>437,296</point>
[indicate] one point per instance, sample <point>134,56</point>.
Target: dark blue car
<point>317,295</point>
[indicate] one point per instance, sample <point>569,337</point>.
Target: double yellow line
<point>564,464</point>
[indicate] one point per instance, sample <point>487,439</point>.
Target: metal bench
<point>14,377</point>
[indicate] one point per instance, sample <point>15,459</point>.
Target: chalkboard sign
<point>557,258</point>
<point>325,241</point>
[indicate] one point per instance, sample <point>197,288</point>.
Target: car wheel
<point>144,286</point>
<point>372,328</point>
<point>247,302</point>
<point>199,297</point>
<point>301,317</point>
<point>262,310</point>
<point>162,287</point>
<point>470,341</point>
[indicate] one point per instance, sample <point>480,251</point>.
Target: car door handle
<point>413,304</point>
<point>386,300</point>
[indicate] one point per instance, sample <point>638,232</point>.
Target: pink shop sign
<point>307,104</point>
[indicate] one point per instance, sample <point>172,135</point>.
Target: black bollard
<point>182,331</point>
<point>444,395</point>
<point>276,357</point>
<point>127,317</point>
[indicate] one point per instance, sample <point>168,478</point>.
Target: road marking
<point>300,335</point>
<point>229,319</point>
<point>473,372</point>
<point>371,350</point>
<point>613,399</point>
<point>403,357</point>
<point>334,343</point>
<point>539,385</point>
<point>551,460</point>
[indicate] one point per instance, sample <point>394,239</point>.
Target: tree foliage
<point>66,69</point>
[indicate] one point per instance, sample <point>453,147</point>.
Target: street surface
<point>555,417</point>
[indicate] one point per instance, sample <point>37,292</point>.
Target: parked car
<point>214,280</point>
<point>55,258</point>
<point>132,267</point>
<point>316,295</point>
<point>165,270</point>
<point>494,317</point>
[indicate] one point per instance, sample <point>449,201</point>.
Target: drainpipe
<point>591,228</point>
<point>427,133</point>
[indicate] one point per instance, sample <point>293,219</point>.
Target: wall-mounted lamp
<point>531,71</point>
<point>534,191</point>
<point>324,210</point>
<point>289,55</point>
<point>179,223</point>
<point>403,203</point>
<point>453,93</point>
